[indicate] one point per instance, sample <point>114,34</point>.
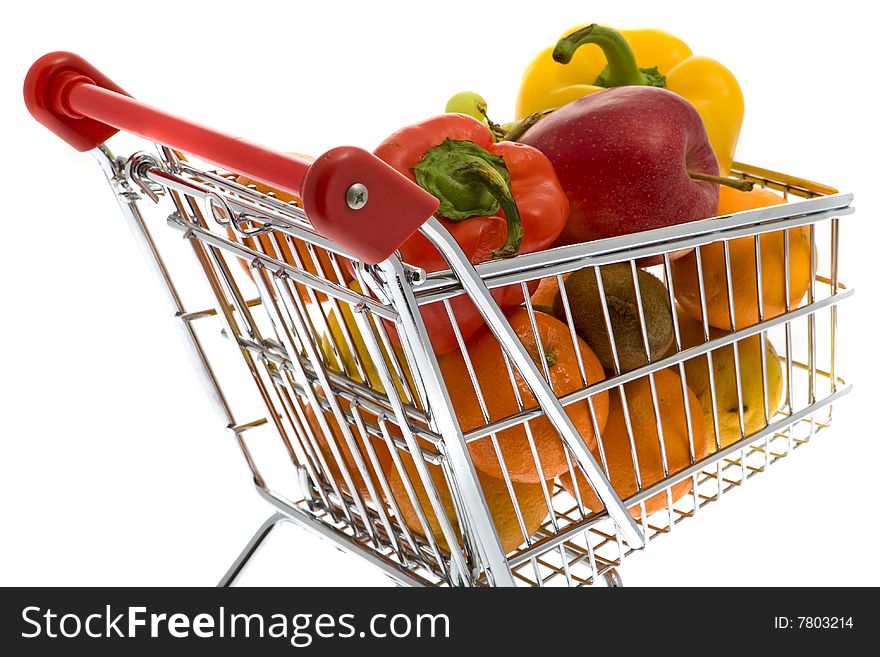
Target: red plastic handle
<point>85,108</point>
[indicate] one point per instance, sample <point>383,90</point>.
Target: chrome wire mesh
<point>337,424</point>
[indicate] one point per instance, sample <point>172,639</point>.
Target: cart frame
<point>329,418</point>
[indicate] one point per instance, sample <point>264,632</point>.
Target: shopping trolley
<point>309,334</point>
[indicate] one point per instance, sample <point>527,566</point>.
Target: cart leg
<point>612,579</point>
<point>250,549</point>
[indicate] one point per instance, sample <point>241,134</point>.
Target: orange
<point>333,342</point>
<point>529,497</point>
<point>743,269</point>
<point>547,290</point>
<point>383,456</point>
<point>732,200</point>
<point>559,354</point>
<point>732,395</point>
<point>618,450</point>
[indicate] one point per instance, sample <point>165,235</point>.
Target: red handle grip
<point>351,196</point>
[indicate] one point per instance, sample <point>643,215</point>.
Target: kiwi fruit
<point>623,310</point>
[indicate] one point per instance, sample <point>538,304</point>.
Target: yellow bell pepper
<point>566,72</point>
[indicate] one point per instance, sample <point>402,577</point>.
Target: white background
<point>114,469</point>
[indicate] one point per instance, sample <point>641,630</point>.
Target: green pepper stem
<point>741,185</point>
<point>494,182</point>
<point>518,129</point>
<point>497,130</point>
<point>622,67</point>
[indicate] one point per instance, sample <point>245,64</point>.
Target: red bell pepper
<point>496,199</point>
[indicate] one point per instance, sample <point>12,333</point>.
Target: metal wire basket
<point>344,412</point>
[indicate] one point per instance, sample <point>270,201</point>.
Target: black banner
<point>327,621</point>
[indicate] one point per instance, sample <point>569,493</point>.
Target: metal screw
<point>357,196</point>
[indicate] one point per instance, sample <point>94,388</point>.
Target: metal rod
<point>296,275</point>
<point>414,336</point>
<point>157,266</point>
<point>395,572</point>
<point>561,260</point>
<point>250,549</point>
<point>482,299</point>
<point>567,533</point>
<point>679,357</point>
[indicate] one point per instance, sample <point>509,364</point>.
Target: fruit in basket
<point>751,381</point>
<point>588,316</point>
<point>561,74</point>
<point>473,104</point>
<point>383,456</point>
<point>743,268</point>
<point>618,450</point>
<point>496,200</point>
<point>559,356</point>
<point>467,102</point>
<point>339,339</point>
<point>529,497</point>
<point>336,342</point>
<point>542,298</point>
<point>630,159</point>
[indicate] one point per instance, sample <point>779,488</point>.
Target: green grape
<point>467,102</point>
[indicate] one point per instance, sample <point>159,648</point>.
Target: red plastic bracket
<point>46,90</point>
<point>391,212</point>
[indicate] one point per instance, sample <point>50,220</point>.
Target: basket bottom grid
<point>588,557</point>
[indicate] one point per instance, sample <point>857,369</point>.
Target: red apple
<point>623,157</point>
